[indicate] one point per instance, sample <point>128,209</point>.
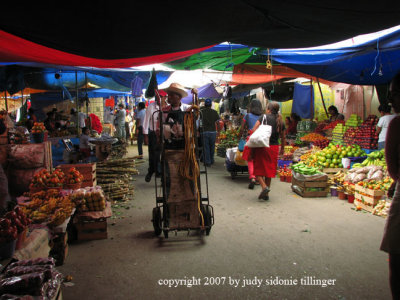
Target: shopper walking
<point>265,159</point>
<point>210,118</point>
<point>139,117</point>
<point>391,237</point>
<point>249,120</point>
<point>383,124</point>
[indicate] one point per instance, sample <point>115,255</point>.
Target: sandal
<point>264,193</point>
<point>251,184</point>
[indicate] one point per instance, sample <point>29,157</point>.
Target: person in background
<point>249,120</point>
<point>150,137</point>
<point>391,237</point>
<point>77,117</point>
<point>292,128</point>
<point>335,115</point>
<point>265,159</point>
<point>128,124</point>
<point>287,122</point>
<point>31,119</point>
<point>139,117</point>
<point>84,147</point>
<point>210,118</point>
<point>120,121</point>
<point>383,124</point>
<point>50,122</point>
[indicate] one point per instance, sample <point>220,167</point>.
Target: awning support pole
<point>322,98</point>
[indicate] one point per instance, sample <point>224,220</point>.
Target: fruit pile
<point>331,156</point>
<point>49,206</point>
<point>313,138</point>
<point>338,178</point>
<point>353,121</point>
<point>73,176</point>
<point>286,172</point>
<point>350,135</point>
<point>366,135</point>
<point>45,179</point>
<point>333,124</point>
<point>338,132</point>
<point>38,127</point>
<point>382,208</point>
<point>375,158</point>
<point>13,223</point>
<point>89,199</point>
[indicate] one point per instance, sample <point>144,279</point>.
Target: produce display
<point>285,171</point>
<point>353,121</point>
<point>35,279</point>
<point>302,168</point>
<point>229,138</point>
<point>369,173</point>
<point>45,179</point>
<point>73,176</point>
<point>331,156</point>
<point>366,135</point>
<point>11,224</point>
<point>377,184</point>
<point>89,199</point>
<point>314,138</point>
<point>338,132</point>
<point>288,152</point>
<point>382,208</point>
<point>338,178</point>
<point>299,152</point>
<point>333,124</point>
<point>376,158</point>
<point>38,127</point>
<point>48,206</point>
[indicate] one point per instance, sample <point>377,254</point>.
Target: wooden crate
<point>305,184</point>
<point>91,230</point>
<point>363,190</point>
<point>371,200</point>
<point>332,171</point>
<point>87,170</point>
<point>364,206</point>
<point>302,177</point>
<point>301,191</point>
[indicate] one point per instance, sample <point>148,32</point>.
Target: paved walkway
<point>286,248</point>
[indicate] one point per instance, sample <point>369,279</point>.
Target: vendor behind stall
<point>335,115</point>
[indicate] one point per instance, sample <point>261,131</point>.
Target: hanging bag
<point>260,137</point>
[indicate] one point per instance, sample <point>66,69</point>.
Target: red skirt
<point>265,161</point>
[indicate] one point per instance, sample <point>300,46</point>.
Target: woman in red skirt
<point>265,159</point>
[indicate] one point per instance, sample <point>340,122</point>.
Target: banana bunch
<point>338,178</point>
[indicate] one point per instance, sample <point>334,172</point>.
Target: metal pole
<point>77,103</point>
<point>312,99</point>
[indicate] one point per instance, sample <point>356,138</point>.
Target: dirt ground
<point>285,248</point>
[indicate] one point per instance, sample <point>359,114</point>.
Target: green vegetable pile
<point>304,169</point>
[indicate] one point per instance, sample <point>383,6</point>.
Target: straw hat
<point>177,88</point>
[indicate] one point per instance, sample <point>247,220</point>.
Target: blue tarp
<point>303,97</point>
<point>371,63</point>
<point>206,91</point>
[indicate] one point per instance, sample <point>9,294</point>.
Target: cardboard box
<point>91,230</point>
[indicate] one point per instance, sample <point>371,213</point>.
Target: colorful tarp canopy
<point>371,63</point>
<point>108,33</point>
<point>206,91</point>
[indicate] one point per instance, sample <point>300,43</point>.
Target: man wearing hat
<point>210,118</point>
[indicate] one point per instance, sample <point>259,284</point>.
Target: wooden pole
<point>312,98</point>
<point>6,101</point>
<point>322,98</point>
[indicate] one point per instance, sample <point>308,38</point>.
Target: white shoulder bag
<point>260,137</point>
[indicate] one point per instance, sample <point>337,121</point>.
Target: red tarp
<point>258,74</point>
<point>15,49</point>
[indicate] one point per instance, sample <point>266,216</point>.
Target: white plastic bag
<point>260,137</point>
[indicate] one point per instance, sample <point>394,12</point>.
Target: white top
<point>81,117</point>
<point>148,123</point>
<point>384,124</point>
<point>140,115</point>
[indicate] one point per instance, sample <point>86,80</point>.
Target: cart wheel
<point>166,234</point>
<point>206,211</point>
<point>233,175</point>
<point>157,221</point>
